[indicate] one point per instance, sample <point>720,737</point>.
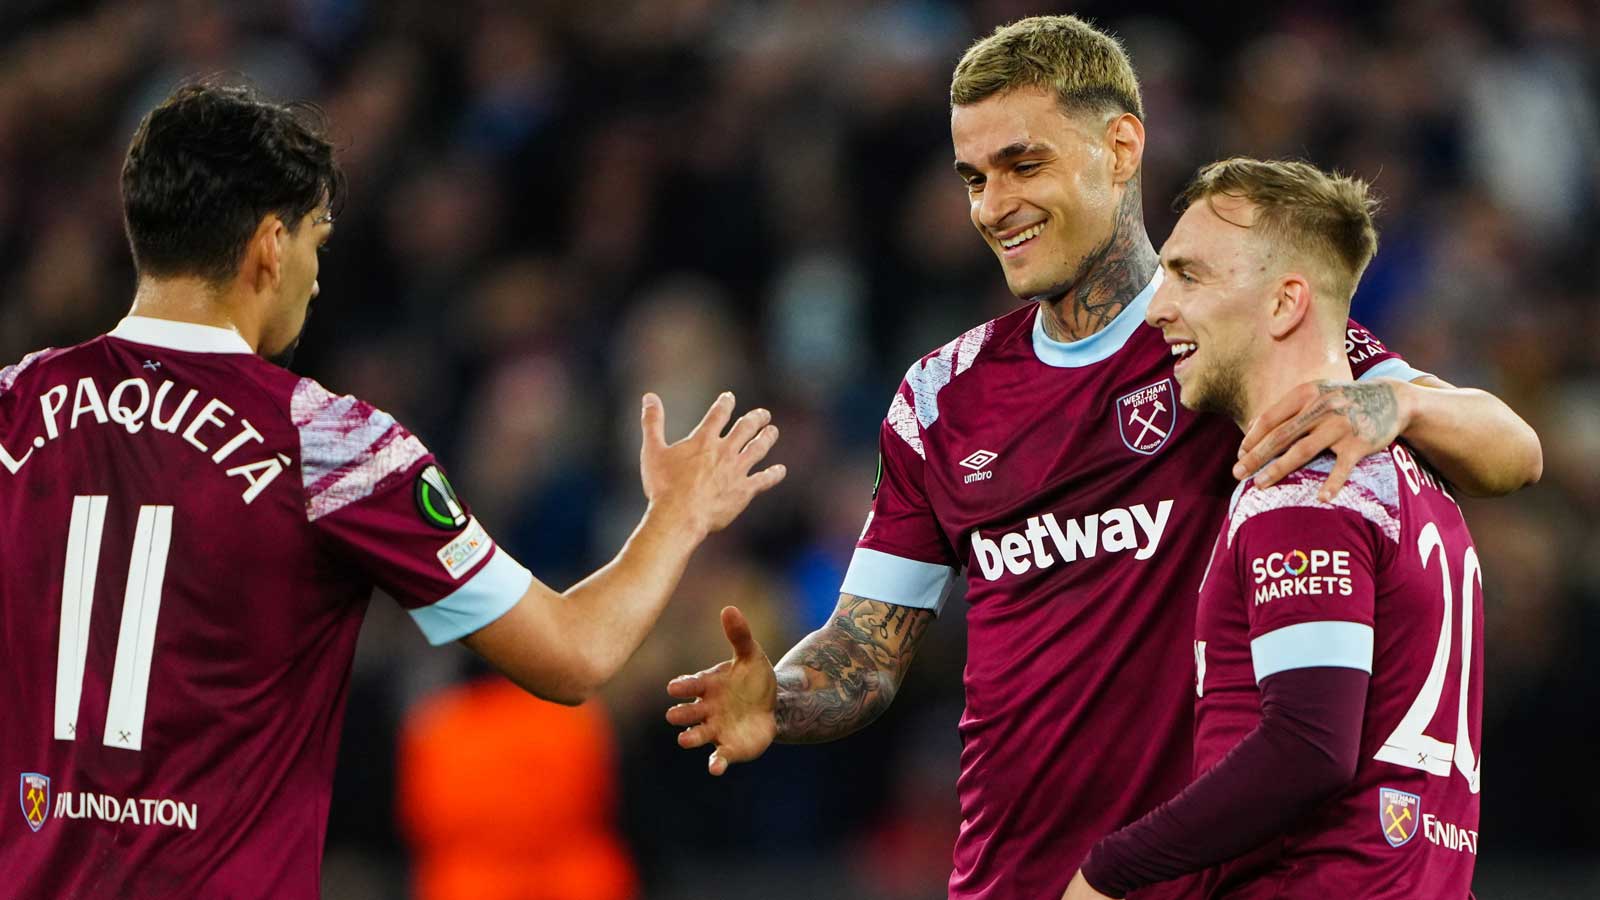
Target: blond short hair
<point>1325,217</point>
<point>1085,67</point>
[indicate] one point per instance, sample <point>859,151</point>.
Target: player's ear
<point>1291,305</point>
<point>1126,137</point>
<point>264,255</point>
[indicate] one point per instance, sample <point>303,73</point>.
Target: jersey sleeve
<point>379,498</point>
<point>902,556</point>
<point>1307,569</point>
<point>1369,358</point>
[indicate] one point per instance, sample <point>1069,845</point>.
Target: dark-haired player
<point>1045,455</point>
<point>1338,643</point>
<point>191,534</point>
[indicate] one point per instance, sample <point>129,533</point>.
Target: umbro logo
<point>976,462</point>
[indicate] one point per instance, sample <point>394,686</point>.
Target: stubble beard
<point>1222,391</point>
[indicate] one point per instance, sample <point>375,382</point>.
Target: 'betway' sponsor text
<point>1045,541</point>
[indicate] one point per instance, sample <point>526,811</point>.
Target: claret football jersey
<point>1384,579</point>
<point>190,535</point>
<point>1080,500</point>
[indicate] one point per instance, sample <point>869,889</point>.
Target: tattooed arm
<point>835,681</point>
<point>1470,436</point>
<point>845,674</point>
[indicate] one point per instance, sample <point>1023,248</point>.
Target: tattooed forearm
<point>1371,409</point>
<point>1108,279</point>
<point>844,675</point>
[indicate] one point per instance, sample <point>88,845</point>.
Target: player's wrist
<point>1407,403</point>
<point>676,521</point>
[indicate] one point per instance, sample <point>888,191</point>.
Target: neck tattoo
<point>1109,279</point>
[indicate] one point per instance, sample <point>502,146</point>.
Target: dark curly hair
<point>208,164</point>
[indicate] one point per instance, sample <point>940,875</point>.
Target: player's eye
<point>1027,168</point>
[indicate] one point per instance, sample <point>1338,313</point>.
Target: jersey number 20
<point>136,641</point>
<point>1408,746</point>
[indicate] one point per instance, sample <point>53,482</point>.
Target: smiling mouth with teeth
<point>1023,237</point>
<point>1183,350</point>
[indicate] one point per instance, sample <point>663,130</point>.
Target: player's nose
<point>995,207</point>
<point>1163,309</point>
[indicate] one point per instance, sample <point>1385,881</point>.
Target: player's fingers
<point>717,764</point>
<point>1274,429</point>
<point>652,418</point>
<point>716,418</point>
<point>767,479</point>
<point>737,629</point>
<point>688,687</point>
<point>1270,450</point>
<point>748,426</point>
<point>1278,412</point>
<point>1299,453</point>
<point>759,446</point>
<point>1343,465</point>
<point>1268,446</point>
<point>695,736</point>
<point>686,714</point>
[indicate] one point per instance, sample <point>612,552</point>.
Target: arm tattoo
<point>844,675</point>
<point>1108,279</point>
<point>1371,409</point>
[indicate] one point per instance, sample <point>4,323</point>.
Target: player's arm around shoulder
<point>565,646</point>
<point>835,681</point>
<point>1470,436</point>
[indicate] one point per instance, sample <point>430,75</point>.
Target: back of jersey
<point>185,571</point>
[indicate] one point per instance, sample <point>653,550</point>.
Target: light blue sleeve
<point>887,578</point>
<point>1345,645</point>
<point>1393,368</point>
<point>485,597</point>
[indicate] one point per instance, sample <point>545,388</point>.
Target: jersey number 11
<point>136,641</point>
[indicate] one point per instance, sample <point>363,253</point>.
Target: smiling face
<point>1214,303</point>
<point>1041,185</point>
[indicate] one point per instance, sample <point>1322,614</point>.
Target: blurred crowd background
<point>557,205</point>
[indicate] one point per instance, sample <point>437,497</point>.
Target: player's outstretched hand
<point>1079,889</point>
<point>704,480</point>
<point>731,704</point>
<point>1351,418</point>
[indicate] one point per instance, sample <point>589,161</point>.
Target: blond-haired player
<point>1044,457</point>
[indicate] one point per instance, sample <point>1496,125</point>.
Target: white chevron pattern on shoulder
<point>930,376</point>
<point>1373,490</point>
<point>347,448</point>
<point>9,375</point>
<point>904,422</point>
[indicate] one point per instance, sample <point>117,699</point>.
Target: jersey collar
<point>186,336</point>
<point>1101,344</point>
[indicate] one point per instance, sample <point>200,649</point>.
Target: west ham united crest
<point>1145,417</point>
<point>35,796</point>
<point>1399,813</point>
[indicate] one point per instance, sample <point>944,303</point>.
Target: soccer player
<point>1337,715</point>
<point>1045,454</point>
<point>191,534</point>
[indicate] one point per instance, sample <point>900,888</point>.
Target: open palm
<point>731,704</point>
